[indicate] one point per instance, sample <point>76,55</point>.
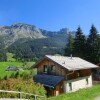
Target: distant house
<point>11,68</point>
<point>61,74</point>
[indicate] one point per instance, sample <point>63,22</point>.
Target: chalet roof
<point>70,63</point>
<point>48,80</point>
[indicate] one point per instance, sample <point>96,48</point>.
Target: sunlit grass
<point>84,94</point>
<point>4,66</point>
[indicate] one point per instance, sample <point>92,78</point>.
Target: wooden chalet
<point>61,74</point>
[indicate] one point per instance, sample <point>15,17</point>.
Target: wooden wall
<point>85,72</point>
<point>71,75</point>
<point>76,74</point>
<point>58,70</point>
<point>56,91</point>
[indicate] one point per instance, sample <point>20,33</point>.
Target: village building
<point>60,74</point>
<point>12,68</point>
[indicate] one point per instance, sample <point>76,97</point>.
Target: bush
<point>26,86</point>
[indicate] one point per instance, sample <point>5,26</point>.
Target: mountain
<point>21,31</point>
<point>16,31</point>
<point>52,34</point>
<point>28,41</point>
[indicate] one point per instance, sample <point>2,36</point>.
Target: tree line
<point>3,56</point>
<point>86,47</point>
<point>32,50</point>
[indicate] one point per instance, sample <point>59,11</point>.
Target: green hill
<point>29,50</point>
<point>84,94</point>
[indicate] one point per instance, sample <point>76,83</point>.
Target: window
<point>48,69</point>
<point>78,73</point>
<point>87,81</point>
<point>45,68</point>
<point>70,86</point>
<point>52,67</point>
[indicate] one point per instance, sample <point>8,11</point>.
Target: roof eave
<point>35,65</point>
<point>82,68</point>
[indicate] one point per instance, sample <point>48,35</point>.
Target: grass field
<point>84,94</point>
<point>4,65</point>
<point>12,62</point>
<point>10,57</point>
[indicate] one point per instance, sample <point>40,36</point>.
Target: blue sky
<point>52,14</point>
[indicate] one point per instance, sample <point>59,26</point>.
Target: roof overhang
<point>48,80</point>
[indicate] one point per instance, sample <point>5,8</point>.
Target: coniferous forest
<point>86,47</point>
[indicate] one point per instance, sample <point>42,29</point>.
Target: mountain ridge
<point>23,28</point>
<point>28,41</point>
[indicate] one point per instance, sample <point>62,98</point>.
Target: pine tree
<point>98,50</point>
<point>69,46</point>
<point>79,43</point>
<point>93,45</point>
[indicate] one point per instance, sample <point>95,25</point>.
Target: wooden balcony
<point>78,74</point>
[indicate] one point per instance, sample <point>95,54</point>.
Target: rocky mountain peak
<point>20,30</point>
<point>22,25</point>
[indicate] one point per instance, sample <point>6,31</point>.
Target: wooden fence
<point>20,93</point>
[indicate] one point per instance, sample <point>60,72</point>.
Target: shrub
<point>27,86</point>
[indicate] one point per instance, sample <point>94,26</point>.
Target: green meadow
<point>84,94</point>
<point>10,57</point>
<point>12,62</point>
<point>5,65</point>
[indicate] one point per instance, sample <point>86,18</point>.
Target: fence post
<point>19,95</point>
<point>35,97</point>
<point>45,97</point>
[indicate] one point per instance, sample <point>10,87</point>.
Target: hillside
<point>83,94</point>
<point>28,41</point>
<point>38,47</point>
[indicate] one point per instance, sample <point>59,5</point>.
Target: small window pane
<point>87,82</point>
<point>70,86</point>
<point>52,67</point>
<point>45,68</point>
